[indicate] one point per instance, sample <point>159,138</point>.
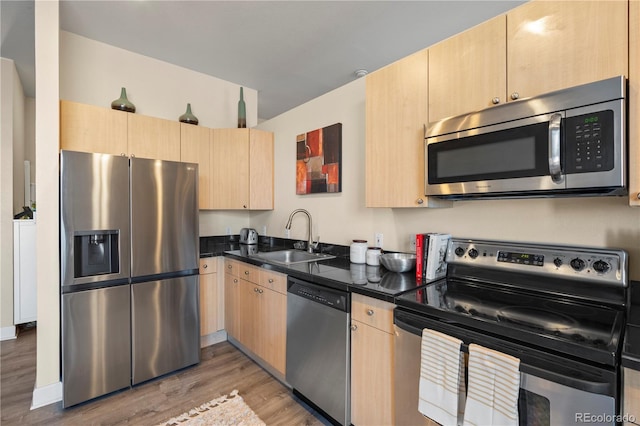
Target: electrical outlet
<point>378,240</point>
<point>264,229</point>
<point>412,242</point>
<point>228,230</point>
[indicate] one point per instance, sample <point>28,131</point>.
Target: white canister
<point>373,256</point>
<point>358,251</point>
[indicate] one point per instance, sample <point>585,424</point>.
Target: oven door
<point>553,391</point>
<point>516,156</point>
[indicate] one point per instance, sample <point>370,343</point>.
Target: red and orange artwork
<point>319,160</point>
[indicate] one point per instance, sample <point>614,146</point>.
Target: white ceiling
<point>290,51</point>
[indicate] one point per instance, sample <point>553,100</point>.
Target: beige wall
<point>339,218</point>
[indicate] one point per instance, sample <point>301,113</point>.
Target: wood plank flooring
<point>222,369</point>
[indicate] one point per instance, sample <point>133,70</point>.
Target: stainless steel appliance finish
<point>248,236</point>
<point>96,343</point>
<point>569,142</point>
<point>318,347</point>
<point>560,309</point>
<point>129,258</point>
<point>165,326</point>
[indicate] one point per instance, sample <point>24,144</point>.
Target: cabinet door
<point>396,111</point>
<point>195,147</point>
<point>230,169</point>
<point>273,328</point>
<point>208,304</point>
<point>151,137</point>
<point>372,384</point>
<point>261,170</point>
<point>634,103</point>
<point>249,317</point>
<point>232,304</point>
<point>468,72</point>
<point>557,44</point>
<point>89,128</point>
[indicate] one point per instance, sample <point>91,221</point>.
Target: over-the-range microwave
<point>565,143</point>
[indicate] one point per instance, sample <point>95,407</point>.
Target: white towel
<point>494,383</point>
<point>441,395</point>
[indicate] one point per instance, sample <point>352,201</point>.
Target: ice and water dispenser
<point>96,253</point>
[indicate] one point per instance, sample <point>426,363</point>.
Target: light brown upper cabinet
<point>468,72</point>
<point>195,147</point>
<point>396,109</point>
<point>553,45</point>
<point>88,128</point>
<point>151,137</point>
<point>535,48</point>
<point>241,169</point>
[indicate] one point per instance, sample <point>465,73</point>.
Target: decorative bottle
<point>188,117</point>
<point>122,103</point>
<point>242,111</point>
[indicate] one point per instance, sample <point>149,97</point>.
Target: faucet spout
<point>310,243</point>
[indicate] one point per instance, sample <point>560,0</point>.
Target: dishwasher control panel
<point>323,295</point>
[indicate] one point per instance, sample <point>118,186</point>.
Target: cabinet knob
<point>270,280</point>
<point>255,289</point>
<point>260,291</point>
<point>246,272</point>
<point>244,206</point>
<point>229,266</point>
<point>515,95</point>
<point>370,312</point>
<point>638,195</point>
<point>133,156</point>
<point>204,266</point>
<point>354,327</point>
<point>419,201</point>
<point>495,100</point>
<point>235,280</point>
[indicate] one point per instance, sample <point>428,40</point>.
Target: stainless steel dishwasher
<point>318,347</point>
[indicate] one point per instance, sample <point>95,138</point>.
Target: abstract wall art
<point>319,160</point>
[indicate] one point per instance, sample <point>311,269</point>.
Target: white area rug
<point>226,410</point>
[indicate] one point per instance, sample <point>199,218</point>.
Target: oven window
<point>533,409</point>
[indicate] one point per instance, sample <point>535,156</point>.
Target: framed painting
<point>319,160</point>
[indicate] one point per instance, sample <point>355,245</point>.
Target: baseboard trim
<point>46,395</point>
<point>213,338</point>
<point>8,333</point>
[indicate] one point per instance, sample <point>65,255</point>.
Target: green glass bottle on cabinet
<point>122,103</point>
<point>242,111</point>
<point>188,117</point>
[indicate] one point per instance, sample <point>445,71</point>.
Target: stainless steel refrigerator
<point>129,271</point>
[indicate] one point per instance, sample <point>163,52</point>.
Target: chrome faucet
<point>310,244</point>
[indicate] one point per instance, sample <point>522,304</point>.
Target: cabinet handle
<point>419,201</point>
<point>370,312</point>
<point>244,206</point>
<point>495,100</point>
<point>354,327</point>
<point>255,289</point>
<point>122,154</point>
<point>229,266</point>
<point>260,291</point>
<point>133,156</point>
<point>235,280</point>
<point>515,95</point>
<point>246,272</point>
<point>270,280</point>
<point>638,195</point>
<point>204,266</point>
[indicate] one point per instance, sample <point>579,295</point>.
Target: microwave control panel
<point>589,142</point>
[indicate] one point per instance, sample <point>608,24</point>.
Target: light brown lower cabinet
<point>209,300</point>
<point>372,359</point>
<point>256,311</point>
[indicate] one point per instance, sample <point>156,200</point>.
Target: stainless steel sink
<point>290,257</point>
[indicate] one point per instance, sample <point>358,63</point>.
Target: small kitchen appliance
<point>248,236</point>
<point>559,309</point>
<point>565,143</point>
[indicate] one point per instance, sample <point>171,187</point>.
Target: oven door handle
<point>555,166</point>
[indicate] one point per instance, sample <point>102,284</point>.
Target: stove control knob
<point>459,251</point>
<point>473,253</point>
<point>557,261</point>
<point>601,266</point>
<point>577,264</point>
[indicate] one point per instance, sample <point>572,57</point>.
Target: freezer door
<point>96,343</point>
<point>94,218</point>
<point>165,327</point>
<point>164,217</point>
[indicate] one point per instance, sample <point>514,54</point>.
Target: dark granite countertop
<point>339,273</point>
<point>631,348</point>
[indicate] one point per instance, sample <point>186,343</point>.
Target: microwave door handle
<point>555,169</point>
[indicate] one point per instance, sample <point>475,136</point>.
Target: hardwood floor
<point>222,369</point>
